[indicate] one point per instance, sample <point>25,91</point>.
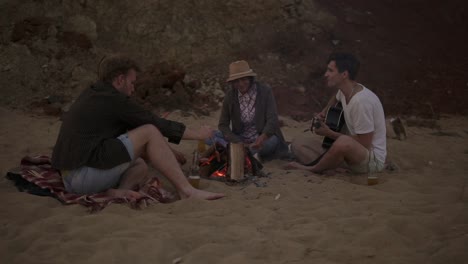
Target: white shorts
<point>87,180</point>
<point>369,164</point>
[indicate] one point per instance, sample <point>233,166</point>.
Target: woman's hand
<point>258,144</point>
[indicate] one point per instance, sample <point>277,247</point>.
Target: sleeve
<point>135,115</point>
<point>225,119</point>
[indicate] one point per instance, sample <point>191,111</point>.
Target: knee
<point>342,144</point>
<point>150,130</point>
<point>140,163</point>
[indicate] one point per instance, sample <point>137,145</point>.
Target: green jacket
<point>89,131</point>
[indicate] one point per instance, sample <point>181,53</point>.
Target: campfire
<point>218,163</point>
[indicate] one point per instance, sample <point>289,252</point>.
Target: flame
<point>223,170</point>
<point>248,163</point>
<point>218,174</point>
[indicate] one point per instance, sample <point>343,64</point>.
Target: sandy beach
<point>417,214</point>
<point>413,57</point>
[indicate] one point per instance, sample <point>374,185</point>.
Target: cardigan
<point>266,116</point>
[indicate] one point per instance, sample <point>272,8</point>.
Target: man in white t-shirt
<point>364,149</point>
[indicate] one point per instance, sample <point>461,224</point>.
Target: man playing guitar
<point>364,149</point>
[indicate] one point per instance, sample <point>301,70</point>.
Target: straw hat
<point>239,69</point>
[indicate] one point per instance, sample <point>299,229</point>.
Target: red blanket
<point>38,172</point>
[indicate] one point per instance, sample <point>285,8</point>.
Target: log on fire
<point>236,159</point>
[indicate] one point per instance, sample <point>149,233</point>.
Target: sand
<point>418,214</point>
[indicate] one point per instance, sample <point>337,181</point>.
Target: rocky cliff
<point>412,53</point>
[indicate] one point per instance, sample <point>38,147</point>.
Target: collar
<point>104,87</point>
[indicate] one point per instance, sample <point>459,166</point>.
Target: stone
<point>82,24</point>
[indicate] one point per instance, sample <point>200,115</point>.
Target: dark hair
<point>345,62</point>
<point>251,80</point>
<point>115,65</point>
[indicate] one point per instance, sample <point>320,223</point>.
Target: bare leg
<point>296,166</point>
<point>123,193</point>
<point>135,176</point>
<point>132,180</point>
<point>147,139</point>
<point>344,148</point>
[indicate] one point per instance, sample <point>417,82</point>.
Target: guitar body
<point>335,121</point>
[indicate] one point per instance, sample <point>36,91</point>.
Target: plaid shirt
<point>247,110</point>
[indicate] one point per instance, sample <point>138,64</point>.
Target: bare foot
<point>295,166</point>
<point>203,195</point>
<point>126,194</point>
<point>154,191</point>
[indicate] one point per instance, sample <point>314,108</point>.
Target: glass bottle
<point>201,146</point>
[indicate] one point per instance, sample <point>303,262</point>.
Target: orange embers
<point>222,171</point>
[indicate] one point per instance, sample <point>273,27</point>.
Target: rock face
<point>48,46</point>
<point>164,87</point>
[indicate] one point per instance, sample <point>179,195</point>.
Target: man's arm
<point>204,132</point>
<point>363,139</point>
<point>134,115</point>
<point>331,102</point>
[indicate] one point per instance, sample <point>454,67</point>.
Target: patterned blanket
<point>36,176</point>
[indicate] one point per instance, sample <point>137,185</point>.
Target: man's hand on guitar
<point>321,116</point>
<point>316,121</point>
<point>323,130</point>
<point>330,122</point>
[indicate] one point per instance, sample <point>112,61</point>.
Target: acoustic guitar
<point>334,120</point>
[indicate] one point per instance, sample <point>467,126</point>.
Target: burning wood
<point>216,163</point>
<point>237,158</point>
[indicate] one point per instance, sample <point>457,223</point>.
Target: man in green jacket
<point>105,134</point>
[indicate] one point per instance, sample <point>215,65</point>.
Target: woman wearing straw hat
<point>249,114</point>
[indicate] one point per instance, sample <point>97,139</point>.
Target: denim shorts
<point>87,180</point>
